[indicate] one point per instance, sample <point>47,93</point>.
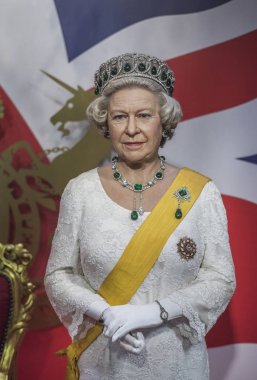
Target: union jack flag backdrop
<point>49,51</point>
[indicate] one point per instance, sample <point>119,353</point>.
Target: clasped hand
<point>121,320</point>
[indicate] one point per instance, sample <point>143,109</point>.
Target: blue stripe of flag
<point>252,159</point>
<point>85,23</point>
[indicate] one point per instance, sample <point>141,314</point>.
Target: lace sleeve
<point>205,299</point>
<point>67,289</point>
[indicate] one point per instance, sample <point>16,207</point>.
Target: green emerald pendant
<point>138,186</point>
<point>134,215</point>
<point>178,213</point>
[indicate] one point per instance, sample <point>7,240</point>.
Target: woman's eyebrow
<point>146,109</point>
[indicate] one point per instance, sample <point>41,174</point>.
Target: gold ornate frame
<point>14,261</point>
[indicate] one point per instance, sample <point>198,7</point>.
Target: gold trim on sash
<point>139,256</point>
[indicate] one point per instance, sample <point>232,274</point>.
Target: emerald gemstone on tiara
<point>154,70</point>
<point>127,67</point>
<point>114,71</point>
<point>141,67</point>
<point>164,76</point>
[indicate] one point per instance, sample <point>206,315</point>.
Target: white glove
<point>133,343</point>
<point>120,320</point>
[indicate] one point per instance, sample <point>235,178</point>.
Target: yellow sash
<point>139,256</point>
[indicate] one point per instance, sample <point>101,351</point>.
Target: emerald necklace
<point>138,187</point>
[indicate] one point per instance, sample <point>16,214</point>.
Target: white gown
<point>92,233</point>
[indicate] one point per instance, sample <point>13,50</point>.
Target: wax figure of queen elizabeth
<point>140,267</point>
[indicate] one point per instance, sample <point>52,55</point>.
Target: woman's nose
<point>132,127</point>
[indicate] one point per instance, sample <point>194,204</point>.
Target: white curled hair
<point>170,111</point>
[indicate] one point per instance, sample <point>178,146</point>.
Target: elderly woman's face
<point>134,124</point>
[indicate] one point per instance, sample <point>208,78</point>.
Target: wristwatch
<point>101,318</point>
<point>164,314</point>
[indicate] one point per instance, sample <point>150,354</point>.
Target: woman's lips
<point>133,144</point>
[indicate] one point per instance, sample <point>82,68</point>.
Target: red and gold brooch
<point>186,248</point>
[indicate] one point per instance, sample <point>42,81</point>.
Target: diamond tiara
<point>134,65</point>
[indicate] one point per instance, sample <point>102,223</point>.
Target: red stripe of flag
<point>217,77</point>
<point>238,323</point>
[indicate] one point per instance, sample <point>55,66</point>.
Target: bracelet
<point>164,314</point>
